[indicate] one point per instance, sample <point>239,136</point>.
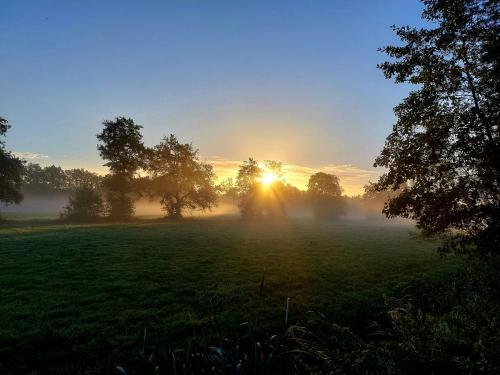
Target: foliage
<point>120,143</point>
<point>247,183</point>
<point>258,199</point>
<point>325,193</point>
<point>80,177</point>
<point>179,178</point>
<point>249,173</point>
<point>11,169</point>
<point>38,179</point>
<point>227,189</point>
<point>85,204</point>
<point>446,142</point>
<point>453,328</point>
<point>119,190</point>
<point>324,185</point>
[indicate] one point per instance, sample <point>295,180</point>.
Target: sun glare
<point>268,178</point>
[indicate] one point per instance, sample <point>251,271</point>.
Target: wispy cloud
<point>30,155</point>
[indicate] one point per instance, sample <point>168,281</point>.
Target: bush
<point>85,204</point>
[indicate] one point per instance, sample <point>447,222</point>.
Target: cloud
<point>352,178</point>
<point>30,155</point>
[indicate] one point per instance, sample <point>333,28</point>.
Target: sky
<point>294,81</point>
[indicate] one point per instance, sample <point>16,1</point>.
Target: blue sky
<point>274,79</point>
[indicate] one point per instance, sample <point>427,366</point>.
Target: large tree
<point>179,178</point>
<point>446,142</point>
<point>11,169</point>
<point>325,193</point>
<point>120,143</point>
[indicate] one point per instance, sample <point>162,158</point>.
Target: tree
<point>37,179</point>
<point>180,179</point>
<point>446,142</point>
<point>121,145</point>
<point>227,189</point>
<point>325,193</point>
<point>33,175</point>
<point>247,183</point>
<point>11,170</point>
<point>261,190</point>
<point>249,173</point>
<point>55,178</point>
<point>85,204</point>
<point>79,177</point>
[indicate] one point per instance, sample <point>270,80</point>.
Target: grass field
<point>82,295</point>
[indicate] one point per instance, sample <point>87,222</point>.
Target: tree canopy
<point>179,178</point>
<point>325,192</point>
<point>446,142</point>
<point>324,185</point>
<point>38,179</point>
<point>11,169</point>
<point>120,143</point>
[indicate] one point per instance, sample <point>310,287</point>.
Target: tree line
<point>171,173</point>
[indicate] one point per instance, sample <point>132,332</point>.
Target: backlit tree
<point>179,178</point>
<point>120,144</point>
<point>445,144</point>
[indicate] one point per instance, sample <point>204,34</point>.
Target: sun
<point>268,178</point>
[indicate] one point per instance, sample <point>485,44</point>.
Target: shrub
<point>85,204</point>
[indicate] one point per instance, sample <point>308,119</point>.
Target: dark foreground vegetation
<point>81,297</point>
<point>428,328</point>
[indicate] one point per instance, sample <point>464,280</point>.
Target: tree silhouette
<point>121,145</point>
<point>179,178</point>
<point>258,198</point>
<point>11,170</point>
<point>38,179</point>
<point>249,173</point>
<point>247,183</point>
<point>325,193</point>
<point>445,143</point>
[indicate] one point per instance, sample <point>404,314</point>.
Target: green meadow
<point>83,295</point>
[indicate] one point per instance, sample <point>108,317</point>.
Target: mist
<point>356,209</point>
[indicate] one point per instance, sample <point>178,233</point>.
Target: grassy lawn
<point>82,295</point>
